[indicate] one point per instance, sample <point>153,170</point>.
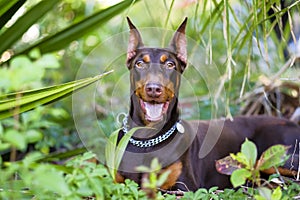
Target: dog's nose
<point>154,90</point>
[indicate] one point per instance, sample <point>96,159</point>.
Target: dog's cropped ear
<point>135,41</point>
<point>178,43</point>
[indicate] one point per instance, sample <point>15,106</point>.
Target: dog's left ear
<point>178,43</point>
<point>135,41</point>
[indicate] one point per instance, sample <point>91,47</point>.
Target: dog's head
<point>155,74</point>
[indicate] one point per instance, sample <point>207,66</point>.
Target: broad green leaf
<point>13,33</point>
<point>48,178</point>
<point>273,157</point>
<point>277,194</point>
<point>33,136</point>
<point>16,139</point>
<point>227,165</point>
<point>75,31</point>
<point>239,177</point>
<point>213,189</point>
<point>250,151</point>
<point>4,146</point>
<point>15,103</point>
<point>241,158</point>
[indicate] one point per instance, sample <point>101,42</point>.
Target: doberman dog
<point>154,84</point>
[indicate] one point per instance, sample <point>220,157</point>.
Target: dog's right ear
<point>135,42</point>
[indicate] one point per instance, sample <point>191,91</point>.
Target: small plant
<point>244,166</point>
<point>153,178</point>
<point>114,152</point>
<point>202,194</point>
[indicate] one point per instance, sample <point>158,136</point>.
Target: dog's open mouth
<point>154,111</point>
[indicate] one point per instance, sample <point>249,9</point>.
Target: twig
<point>176,192</point>
<point>298,173</point>
<point>287,65</point>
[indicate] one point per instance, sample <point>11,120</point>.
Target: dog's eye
<point>170,65</point>
<point>139,64</point>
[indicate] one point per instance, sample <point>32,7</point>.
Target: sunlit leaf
<point>239,177</point>
<point>264,193</point>
<point>8,9</point>
<point>48,178</point>
<point>277,194</point>
<point>250,151</point>
<point>75,31</point>
<point>273,157</point>
<point>114,152</point>
<point>33,136</point>
<point>241,158</point>
<point>16,139</point>
<point>15,103</point>
<point>13,33</point>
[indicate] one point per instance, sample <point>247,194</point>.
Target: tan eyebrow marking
<point>146,58</point>
<point>163,58</point>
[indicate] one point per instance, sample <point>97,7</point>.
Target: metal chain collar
<point>150,142</point>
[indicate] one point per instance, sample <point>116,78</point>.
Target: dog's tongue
<point>154,112</point>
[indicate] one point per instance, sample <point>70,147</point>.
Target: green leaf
<point>4,146</point>
<point>265,193</point>
<point>50,179</point>
<point>33,136</point>
<point>273,157</point>
<point>114,152</point>
<point>239,177</point>
<point>8,9</point>
<point>110,151</point>
<point>241,158</point>
<point>250,151</point>
<point>143,168</point>
<point>123,144</point>
<point>12,34</point>
<point>155,164</point>
<point>213,189</point>
<point>48,61</point>
<point>162,178</point>
<point>277,194</point>
<point>15,103</point>
<point>16,139</point>
<point>75,31</point>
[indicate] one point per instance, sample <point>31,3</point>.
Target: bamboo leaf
<point>11,35</point>
<point>16,103</point>
<point>75,31</point>
<point>110,152</point>
<point>114,152</point>
<point>8,9</point>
